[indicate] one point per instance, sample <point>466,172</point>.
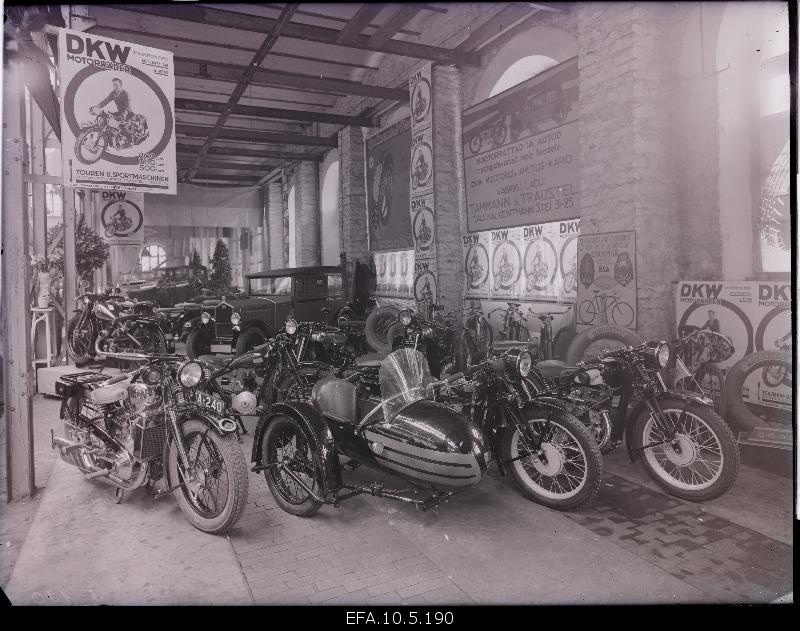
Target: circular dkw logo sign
<point>121,218</point>
<point>421,166</point>
<point>476,266</point>
<point>425,287</point>
<point>421,100</point>
<point>505,265</point>
<point>423,230</point>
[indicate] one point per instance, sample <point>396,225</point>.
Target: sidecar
<point>430,445</point>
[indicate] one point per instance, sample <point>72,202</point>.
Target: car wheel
<point>197,344</point>
<point>248,340</point>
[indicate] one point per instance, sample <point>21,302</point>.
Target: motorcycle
<point>134,429</point>
<point>684,445</point>
<point>433,447</point>
<point>108,131</point>
<point>108,323</point>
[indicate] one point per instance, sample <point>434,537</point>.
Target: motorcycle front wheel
<point>701,463</point>
<point>89,146</point>
<point>286,443</point>
<point>567,472</point>
<point>80,339</point>
<point>214,492</point>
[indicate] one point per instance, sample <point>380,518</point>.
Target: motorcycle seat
<point>215,360</point>
<point>504,345</point>
<point>335,398</point>
<point>370,360</point>
<point>553,368</point>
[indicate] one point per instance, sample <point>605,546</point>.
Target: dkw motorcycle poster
<point>117,114</point>
<point>121,216</point>
<point>607,280</point>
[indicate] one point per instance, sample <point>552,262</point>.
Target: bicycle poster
<point>754,315</point>
<point>117,114</point>
<point>607,280</point>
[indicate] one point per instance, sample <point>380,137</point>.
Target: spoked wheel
<point>79,339</point>
<point>214,488</point>
<point>286,443</point>
<point>89,146</point>
<point>700,463</point>
<point>150,339</point>
<point>566,473</point>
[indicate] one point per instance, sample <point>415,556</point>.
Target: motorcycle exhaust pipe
<point>100,473</point>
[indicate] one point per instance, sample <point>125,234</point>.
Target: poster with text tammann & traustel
<point>607,280</point>
<point>117,114</point>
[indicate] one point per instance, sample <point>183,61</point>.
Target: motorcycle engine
<point>141,397</point>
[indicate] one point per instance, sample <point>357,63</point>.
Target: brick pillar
<point>626,172</point>
<point>308,250</point>
<point>275,225</point>
<point>448,184</point>
<point>352,198</point>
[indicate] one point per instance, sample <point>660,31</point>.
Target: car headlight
<point>291,326</point>
<point>342,322</point>
<point>235,318</point>
<point>404,317</point>
<point>190,374</point>
<point>524,363</point>
<point>658,353</point>
<point>205,317</point>
<point>426,332</point>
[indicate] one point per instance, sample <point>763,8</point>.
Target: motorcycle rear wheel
<point>224,461</point>
<point>705,452</point>
<point>570,454</point>
<point>80,342</point>
<point>285,440</point>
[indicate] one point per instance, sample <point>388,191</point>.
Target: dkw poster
<point>121,216</point>
<point>117,114</point>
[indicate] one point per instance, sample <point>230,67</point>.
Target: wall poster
<point>756,316</point>
<point>388,159</point>
<point>117,114</point>
<point>121,217</point>
<point>607,280</point>
<point>521,152</point>
<point>394,273</point>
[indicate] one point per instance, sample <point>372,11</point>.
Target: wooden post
<point>70,268</point>
<point>18,358</point>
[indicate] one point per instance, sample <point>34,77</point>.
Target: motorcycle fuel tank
<point>431,442</point>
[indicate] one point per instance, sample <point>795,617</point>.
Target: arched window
<point>329,208</point>
<point>152,257</point>
<point>522,70</point>
<point>290,204</point>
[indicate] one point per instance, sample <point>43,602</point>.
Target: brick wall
<point>307,215</point>
<point>275,222</point>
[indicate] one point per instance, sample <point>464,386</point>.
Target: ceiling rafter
<point>252,153</point>
<point>360,20</point>
<point>502,20</point>
<point>243,21</point>
<point>241,85</point>
<point>254,136</point>
<point>404,14</point>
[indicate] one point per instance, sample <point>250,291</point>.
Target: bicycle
<point>547,343</point>
<point>621,312</point>
<point>514,323</point>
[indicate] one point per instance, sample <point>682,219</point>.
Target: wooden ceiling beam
<point>252,153</point>
<point>360,20</point>
<point>404,14</point>
<point>241,85</point>
<point>256,135</point>
<point>217,71</point>
<point>499,22</point>
<point>193,105</point>
<point>209,16</point>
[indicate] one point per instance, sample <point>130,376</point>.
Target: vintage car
<point>227,325</point>
<point>167,286</point>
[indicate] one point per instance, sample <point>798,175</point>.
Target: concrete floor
<point>72,545</point>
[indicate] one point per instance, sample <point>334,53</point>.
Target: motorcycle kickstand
<point>119,495</point>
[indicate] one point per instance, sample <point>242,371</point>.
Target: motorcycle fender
<point>687,396</point>
<point>325,453</point>
<point>219,425</point>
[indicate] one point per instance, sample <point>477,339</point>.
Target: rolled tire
<point>376,327</point>
<point>248,340</point>
<point>229,461</point>
<point>574,441</point>
<point>586,338</point>
<point>197,344</point>
<point>737,410</point>
<point>562,341</point>
<point>709,432</point>
<point>289,495</point>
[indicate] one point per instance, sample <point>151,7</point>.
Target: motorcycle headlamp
<point>205,317</point>
<point>658,353</point>
<point>404,317</point>
<point>524,363</point>
<point>291,326</point>
<point>235,318</point>
<point>190,374</point>
<point>152,377</point>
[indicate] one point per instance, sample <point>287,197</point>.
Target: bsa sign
<point>121,217</point>
<point>117,114</point>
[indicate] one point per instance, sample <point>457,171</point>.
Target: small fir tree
<point>220,279</point>
<point>196,260</point>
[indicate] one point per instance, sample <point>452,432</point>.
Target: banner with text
<point>521,152</point>
<point>607,280</point>
<point>755,315</point>
<point>117,114</point>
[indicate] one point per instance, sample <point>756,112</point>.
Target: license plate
<point>221,348</point>
<point>207,401</point>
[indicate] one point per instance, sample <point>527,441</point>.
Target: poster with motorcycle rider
<point>507,279</point>
<point>121,216</point>
<point>550,261</point>
<point>117,114</point>
<point>607,280</point>
<point>476,248</point>
<point>755,316</point>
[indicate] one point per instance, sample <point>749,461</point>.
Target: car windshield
<point>277,286</point>
<point>404,374</point>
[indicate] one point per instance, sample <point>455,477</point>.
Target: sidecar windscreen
<point>403,377</point>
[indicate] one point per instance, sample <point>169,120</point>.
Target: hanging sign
<point>121,216</point>
<point>521,152</point>
<point>117,114</point>
<point>607,280</point>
